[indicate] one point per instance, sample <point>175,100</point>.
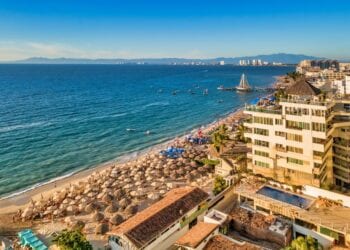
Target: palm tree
<point>240,133</point>
<point>219,137</point>
<point>294,75</point>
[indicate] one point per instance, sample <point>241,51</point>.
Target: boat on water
<point>205,92</point>
<point>222,88</point>
<point>243,85</point>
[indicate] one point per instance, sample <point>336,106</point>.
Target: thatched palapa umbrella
<point>116,219</point>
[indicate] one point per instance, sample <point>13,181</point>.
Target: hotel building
<point>302,139</point>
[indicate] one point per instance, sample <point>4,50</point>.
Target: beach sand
<point>11,204</point>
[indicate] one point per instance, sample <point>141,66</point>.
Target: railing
<point>263,110</point>
<point>309,102</point>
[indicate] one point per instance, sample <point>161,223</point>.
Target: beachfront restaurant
<point>161,224</point>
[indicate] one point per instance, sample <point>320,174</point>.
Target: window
<point>294,149</point>
<point>261,143</point>
<point>278,121</point>
<point>260,131</point>
<point>295,161</point>
<point>279,133</point>
<point>321,127</point>
<point>294,137</point>
<point>296,111</point>
<point>317,112</point>
<point>261,164</point>
<point>263,120</point>
<point>261,153</point>
<point>318,153</point>
<point>297,125</point>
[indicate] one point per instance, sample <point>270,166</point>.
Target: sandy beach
<point>13,203</point>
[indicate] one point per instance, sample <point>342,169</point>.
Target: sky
<point>186,29</point>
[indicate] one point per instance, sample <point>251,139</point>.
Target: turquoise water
<point>57,119</point>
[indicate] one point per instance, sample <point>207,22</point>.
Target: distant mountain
<point>280,57</point>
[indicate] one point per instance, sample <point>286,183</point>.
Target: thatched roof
<point>116,219</point>
<point>98,216</point>
<point>303,88</point>
<point>144,226</point>
<point>101,228</point>
<point>196,235</point>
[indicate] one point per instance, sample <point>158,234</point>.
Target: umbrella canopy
<point>98,216</point>
<point>116,219</point>
<point>101,228</point>
<point>112,208</point>
<point>107,198</point>
<point>131,209</point>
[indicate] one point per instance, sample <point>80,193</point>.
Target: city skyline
<point>192,29</point>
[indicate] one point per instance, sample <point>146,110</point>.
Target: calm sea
<point>58,119</point>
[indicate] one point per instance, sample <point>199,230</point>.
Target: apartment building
<point>297,140</point>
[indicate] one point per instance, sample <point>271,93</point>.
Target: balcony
<point>303,101</point>
<point>276,110</point>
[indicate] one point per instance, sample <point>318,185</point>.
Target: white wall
<point>316,192</point>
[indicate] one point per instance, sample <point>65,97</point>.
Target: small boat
<point>148,132</point>
<point>243,85</point>
<point>205,92</point>
<point>174,92</point>
<point>221,87</point>
<point>220,101</point>
<point>130,129</point>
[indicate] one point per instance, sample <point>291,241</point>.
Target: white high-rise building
<point>302,139</point>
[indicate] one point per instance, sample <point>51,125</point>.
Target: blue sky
<point>190,29</point>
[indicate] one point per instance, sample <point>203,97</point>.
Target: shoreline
<point>18,200</point>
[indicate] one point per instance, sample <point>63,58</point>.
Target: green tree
<point>302,243</point>
<point>219,137</point>
<point>219,185</point>
<point>72,240</point>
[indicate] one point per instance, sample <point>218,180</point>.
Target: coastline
<point>11,203</point>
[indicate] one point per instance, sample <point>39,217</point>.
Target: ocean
<point>59,119</point>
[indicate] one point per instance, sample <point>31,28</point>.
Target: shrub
<point>72,240</point>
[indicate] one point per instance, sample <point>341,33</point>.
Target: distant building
<point>161,224</point>
<point>342,87</point>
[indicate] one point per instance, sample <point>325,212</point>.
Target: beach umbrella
<point>116,219</point>
<point>153,196</point>
<point>124,203</point>
<point>118,194</point>
<point>131,209</point>
<point>72,208</point>
<point>101,228</point>
<point>91,207</point>
<point>98,216</point>
<point>78,224</point>
<point>111,208</point>
<point>107,198</point>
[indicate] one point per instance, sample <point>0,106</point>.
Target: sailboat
<point>243,85</point>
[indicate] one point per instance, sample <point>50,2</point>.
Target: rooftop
<point>197,234</point>
<point>219,242</point>
<point>146,225</point>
